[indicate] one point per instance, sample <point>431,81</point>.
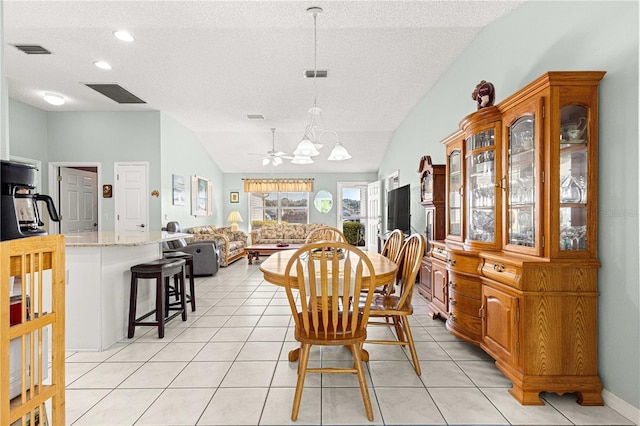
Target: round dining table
<point>274,266</point>
<point>273,269</point>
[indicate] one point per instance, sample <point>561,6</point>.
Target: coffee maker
<point>20,216</point>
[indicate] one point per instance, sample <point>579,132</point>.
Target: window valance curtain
<point>278,185</point>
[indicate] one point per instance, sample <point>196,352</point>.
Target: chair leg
<point>133,296</point>
<point>357,361</point>
<point>183,298</point>
<point>302,372</point>
<point>192,288</point>
<point>160,295</point>
<point>412,347</point>
<point>398,326</point>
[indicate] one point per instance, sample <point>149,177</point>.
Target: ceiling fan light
<point>277,161</point>
<point>300,159</point>
<point>265,161</point>
<point>339,153</point>
<point>306,148</point>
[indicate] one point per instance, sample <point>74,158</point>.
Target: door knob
<point>141,225</point>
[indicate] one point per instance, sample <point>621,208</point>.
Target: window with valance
<point>278,185</point>
<point>279,200</point>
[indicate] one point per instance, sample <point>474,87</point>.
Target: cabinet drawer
<point>463,304</point>
<point>467,262</point>
<point>469,325</point>
<point>502,272</point>
<point>465,286</point>
<point>439,253</point>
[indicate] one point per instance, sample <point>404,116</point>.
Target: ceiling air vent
<point>320,73</point>
<point>32,49</point>
<point>255,116</point>
<point>116,93</point>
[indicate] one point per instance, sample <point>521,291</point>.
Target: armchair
<point>230,243</point>
<point>206,256</point>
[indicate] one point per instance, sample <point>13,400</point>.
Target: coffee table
<point>254,251</point>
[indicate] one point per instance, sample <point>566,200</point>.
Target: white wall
<point>535,38</point>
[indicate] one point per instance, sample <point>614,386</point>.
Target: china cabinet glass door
<point>574,140</point>
<point>481,187</point>
<point>521,183</point>
<point>455,194</point>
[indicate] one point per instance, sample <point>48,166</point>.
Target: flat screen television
<point>399,209</point>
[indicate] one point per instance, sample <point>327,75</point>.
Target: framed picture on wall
<point>234,197</point>
<point>179,195</point>
<point>201,204</point>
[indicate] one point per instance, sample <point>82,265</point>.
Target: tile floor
<point>227,365</point>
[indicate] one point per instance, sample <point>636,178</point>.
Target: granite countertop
<point>114,239</point>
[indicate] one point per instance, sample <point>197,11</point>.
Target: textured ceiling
<point>208,64</point>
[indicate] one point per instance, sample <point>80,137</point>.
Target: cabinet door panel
<point>500,324</point>
<point>439,287</point>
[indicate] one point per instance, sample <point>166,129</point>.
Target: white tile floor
<point>227,365</point>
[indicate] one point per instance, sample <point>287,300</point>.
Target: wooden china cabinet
<point>520,253</point>
<point>432,197</point>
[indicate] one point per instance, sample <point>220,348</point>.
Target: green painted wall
<point>535,38</point>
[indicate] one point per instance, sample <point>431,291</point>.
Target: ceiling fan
<point>274,157</point>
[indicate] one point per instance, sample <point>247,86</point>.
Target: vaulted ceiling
<point>209,64</point>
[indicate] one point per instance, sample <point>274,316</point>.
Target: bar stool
<point>161,270</point>
<point>188,258</point>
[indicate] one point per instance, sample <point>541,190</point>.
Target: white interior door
<point>131,200</point>
<point>78,200</point>
<point>373,215</point>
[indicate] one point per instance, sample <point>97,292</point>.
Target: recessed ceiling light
<point>124,36</point>
<point>54,99</point>
<point>102,65</point>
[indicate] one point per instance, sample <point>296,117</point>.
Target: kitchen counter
<point>110,238</point>
<point>98,266</point>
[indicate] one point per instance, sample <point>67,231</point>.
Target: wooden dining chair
<point>391,250</point>
<point>393,245</point>
<point>396,308</point>
<point>327,275</point>
<point>325,233</point>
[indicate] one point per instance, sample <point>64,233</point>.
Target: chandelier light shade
<point>339,153</point>
<point>234,217</point>
<point>310,144</point>
<point>306,148</point>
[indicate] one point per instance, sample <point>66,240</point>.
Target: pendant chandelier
<point>310,144</point>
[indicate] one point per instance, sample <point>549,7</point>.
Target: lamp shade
<point>339,153</point>
<point>234,216</point>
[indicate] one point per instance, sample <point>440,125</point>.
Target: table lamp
<point>234,216</point>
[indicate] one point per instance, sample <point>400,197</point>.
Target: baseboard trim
<point>621,406</point>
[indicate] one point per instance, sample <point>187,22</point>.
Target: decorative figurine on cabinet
<point>484,94</point>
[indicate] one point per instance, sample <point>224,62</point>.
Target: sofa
<point>230,243</point>
<point>285,233</point>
